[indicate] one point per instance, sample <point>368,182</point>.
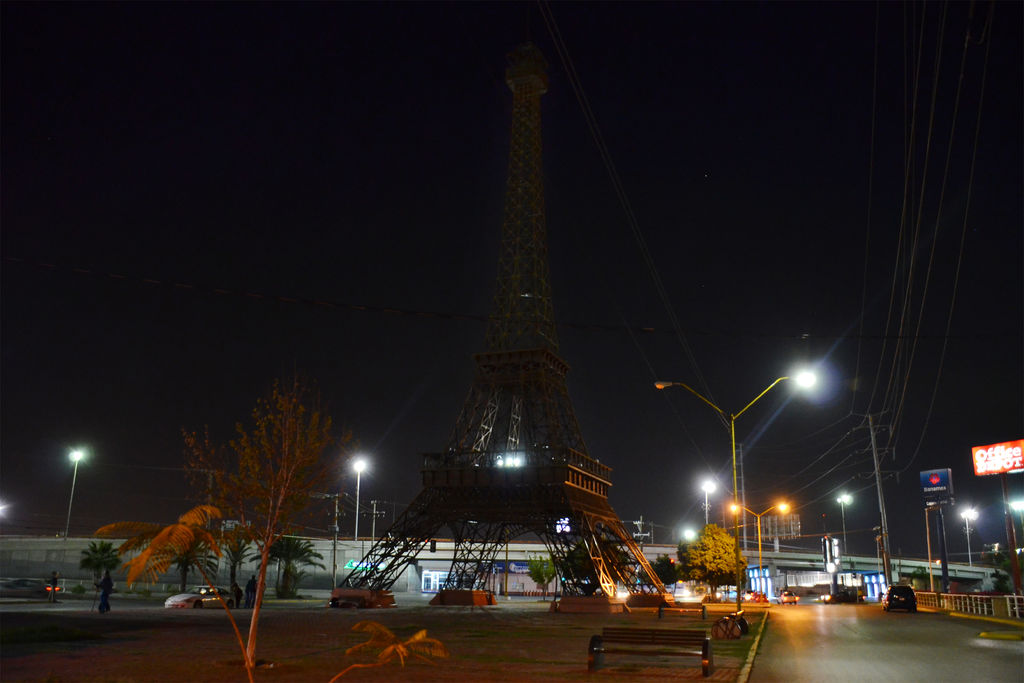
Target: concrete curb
<point>744,674</point>
<point>995,620</point>
<point>1001,635</point>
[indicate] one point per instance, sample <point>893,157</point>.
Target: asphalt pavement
<point>847,642</point>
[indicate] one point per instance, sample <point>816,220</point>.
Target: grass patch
<point>45,634</point>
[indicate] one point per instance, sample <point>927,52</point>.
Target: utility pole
<point>373,527</point>
<point>884,530</point>
<point>334,530</point>
<point>640,534</point>
<point>743,495</point>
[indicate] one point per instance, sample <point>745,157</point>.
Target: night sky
<point>182,181</point>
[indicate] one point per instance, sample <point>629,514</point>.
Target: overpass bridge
<point>25,556</point>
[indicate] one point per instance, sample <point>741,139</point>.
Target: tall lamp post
<point>844,500</point>
<point>969,515</point>
<point>359,466</point>
<point>75,456</point>
<point>708,487</point>
<point>736,511</point>
<point>804,379</point>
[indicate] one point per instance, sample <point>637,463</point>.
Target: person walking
<point>236,594</point>
<point>250,593</point>
<point>106,586</point>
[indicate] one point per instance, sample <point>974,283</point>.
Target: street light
<point>844,500</point>
<point>359,466</point>
<point>75,456</point>
<point>736,511</point>
<point>969,514</point>
<point>804,379</point>
<point>689,534</point>
<point>708,487</point>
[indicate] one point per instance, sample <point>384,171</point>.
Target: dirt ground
<point>509,642</point>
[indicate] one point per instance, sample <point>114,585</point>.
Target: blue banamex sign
<point>937,486</point>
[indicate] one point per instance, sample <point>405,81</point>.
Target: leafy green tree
<point>712,558</point>
<point>1001,576</point>
<point>99,557</point>
<point>291,553</point>
<point>578,569</point>
<point>666,570</point>
<point>683,559</point>
<point>919,578</point>
<point>263,477</point>
<point>542,571</point>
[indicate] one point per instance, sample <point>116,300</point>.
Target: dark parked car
<point>899,597</point>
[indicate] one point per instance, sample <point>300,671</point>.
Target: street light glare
<point>969,513</point>
<point>783,507</point>
<point>844,499</point>
<point>708,486</point>
<point>359,466</point>
<point>76,455</point>
<point>806,379</point>
<point>662,385</point>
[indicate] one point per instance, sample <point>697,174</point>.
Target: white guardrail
<point>982,605</point>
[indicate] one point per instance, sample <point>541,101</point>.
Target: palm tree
<point>161,547</point>
<point>196,554</point>
<point>237,549</point>
<point>99,557</point>
<point>290,553</point>
<point>419,646</point>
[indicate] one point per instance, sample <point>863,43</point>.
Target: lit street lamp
<point>844,500</point>
<point>689,534</point>
<point>359,466</point>
<point>969,514</point>
<point>736,511</point>
<point>75,456</point>
<point>803,379</point>
<point>708,487</point>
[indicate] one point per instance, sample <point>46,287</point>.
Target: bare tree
<point>263,477</point>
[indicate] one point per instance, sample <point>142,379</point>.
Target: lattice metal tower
<point>516,463</point>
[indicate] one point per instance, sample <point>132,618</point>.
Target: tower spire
<point>516,462</point>
<point>523,317</point>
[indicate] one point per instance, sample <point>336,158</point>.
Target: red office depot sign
<point>999,457</point>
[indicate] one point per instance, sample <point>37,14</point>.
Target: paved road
<point>863,643</point>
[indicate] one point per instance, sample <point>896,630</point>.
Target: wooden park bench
<point>650,642</point>
<point>696,609</point>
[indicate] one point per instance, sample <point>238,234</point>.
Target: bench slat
<point>651,642</point>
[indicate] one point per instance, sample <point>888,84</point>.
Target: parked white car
<point>198,597</point>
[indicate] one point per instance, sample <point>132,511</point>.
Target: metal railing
<point>982,605</point>
<point>968,604</point>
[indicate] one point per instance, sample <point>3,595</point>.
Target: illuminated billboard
<point>937,486</point>
<point>999,458</point>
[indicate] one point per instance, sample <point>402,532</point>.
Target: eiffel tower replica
<point>516,463</point>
